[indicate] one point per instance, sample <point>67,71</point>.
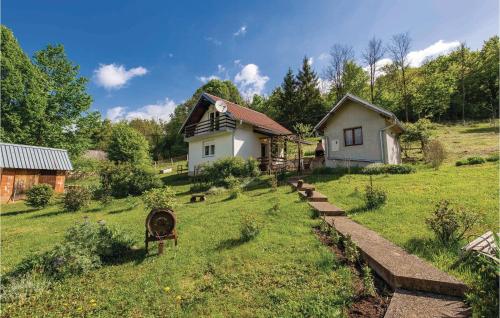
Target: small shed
<point>22,166</point>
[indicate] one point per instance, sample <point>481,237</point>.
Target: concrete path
<point>406,304</point>
<point>315,197</point>
<point>397,267</point>
<point>326,209</point>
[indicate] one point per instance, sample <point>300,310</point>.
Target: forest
<point>44,100</point>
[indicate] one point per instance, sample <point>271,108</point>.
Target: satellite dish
<point>220,106</point>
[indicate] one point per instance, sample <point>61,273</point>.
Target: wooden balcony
<point>220,123</point>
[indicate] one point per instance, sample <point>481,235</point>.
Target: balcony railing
<point>221,122</point>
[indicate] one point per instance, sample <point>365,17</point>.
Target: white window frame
<point>211,149</point>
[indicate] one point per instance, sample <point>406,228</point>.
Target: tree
<point>355,79</point>
<point>488,74</point>
<point>287,103</point>
<point>308,95</point>
<point>44,101</point>
<point>399,49</point>
<point>23,100</point>
<point>127,145</point>
<point>153,131</point>
<point>372,55</point>
<point>463,72</point>
<point>340,56</point>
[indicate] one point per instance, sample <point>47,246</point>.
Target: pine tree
<point>310,103</point>
<point>287,105</point>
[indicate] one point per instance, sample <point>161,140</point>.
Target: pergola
<point>277,153</point>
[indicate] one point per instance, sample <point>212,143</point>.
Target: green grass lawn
<point>285,271</point>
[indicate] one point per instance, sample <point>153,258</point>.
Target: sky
<point>144,57</point>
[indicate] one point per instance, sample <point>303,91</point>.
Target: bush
<point>127,145</point>
<point>351,251</point>
<point>374,197</point>
<point>250,228</point>
<point>470,161</point>
<point>450,224</point>
<point>217,171</point>
<point>199,187</point>
<point>493,157</point>
<point>335,236</point>
<point>379,168</point>
<point>39,196</point>
<point>159,198</point>
<point>121,180</point>
<point>86,246</point>
<point>231,182</point>
<point>76,198</point>
<point>234,193</point>
<point>368,283</point>
<point>435,153</point>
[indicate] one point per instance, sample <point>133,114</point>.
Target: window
<point>353,136</point>
<point>208,149</point>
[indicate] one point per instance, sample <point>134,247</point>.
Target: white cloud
<point>250,81</point>
<point>159,111</point>
<point>114,76</point>
<point>237,62</point>
<point>310,60</point>
<point>221,68</point>
<point>241,31</point>
<point>323,56</point>
<point>417,58</point>
<point>324,85</point>
<point>213,40</point>
<point>205,79</point>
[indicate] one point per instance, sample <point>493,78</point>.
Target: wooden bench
<point>194,197</point>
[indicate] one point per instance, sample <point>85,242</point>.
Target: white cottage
<point>230,131</point>
<point>357,133</point>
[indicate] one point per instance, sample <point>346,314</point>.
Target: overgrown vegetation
<point>226,170</point>
<point>159,198</point>
<point>123,179</point>
<point>471,161</point>
<point>451,224</point>
<point>39,196</point>
<point>86,247</point>
<point>76,198</point>
<point>435,153</point>
<point>374,197</point>
<point>378,168</point>
<point>250,227</point>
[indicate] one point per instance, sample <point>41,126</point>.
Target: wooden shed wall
<point>22,180</point>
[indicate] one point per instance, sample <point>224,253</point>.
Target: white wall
<point>392,148</point>
<point>246,142</point>
<point>223,142</point>
<point>352,115</point>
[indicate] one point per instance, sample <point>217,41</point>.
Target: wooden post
<point>269,155</point>
<point>161,244</point>
<point>299,146</point>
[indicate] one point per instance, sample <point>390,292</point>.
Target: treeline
<point>44,100</point>
<point>460,85</point>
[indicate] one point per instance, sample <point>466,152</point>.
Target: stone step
<point>316,196</point>
<point>396,266</point>
<point>325,208</point>
<point>411,304</point>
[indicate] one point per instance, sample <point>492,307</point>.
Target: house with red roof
<point>217,128</point>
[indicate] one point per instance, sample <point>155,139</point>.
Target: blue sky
<point>143,57</point>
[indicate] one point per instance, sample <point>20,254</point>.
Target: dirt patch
<point>362,305</point>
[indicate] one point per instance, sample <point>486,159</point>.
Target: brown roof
<point>251,116</point>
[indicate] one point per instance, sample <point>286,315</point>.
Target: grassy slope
<point>283,272</point>
<point>412,198</point>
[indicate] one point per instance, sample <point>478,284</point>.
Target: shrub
<point>450,224</point>
<point>217,171</point>
<point>127,145</point>
<point>39,196</point>
<point>335,236</point>
<point>159,198</point>
<point>483,292</point>
<point>199,187</point>
<point>351,251</point>
<point>231,182</point>
<point>461,162</point>
<point>76,198</point>
<point>475,160</point>
<point>379,168</point>
<point>435,153</point>
<point>85,247</point>
<point>250,228</point>
<point>368,283</point>
<point>374,197</point>
<point>324,227</point>
<point>493,157</point>
<point>234,193</point>
<point>276,208</point>
<point>121,180</point>
<point>419,131</point>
